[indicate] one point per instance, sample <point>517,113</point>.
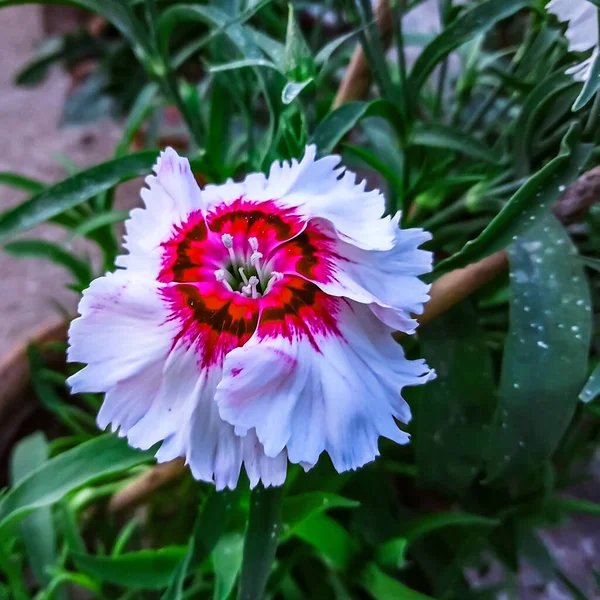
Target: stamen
<point>243,275</point>
<point>227,240</point>
<point>222,276</point>
<point>255,262</point>
<point>253,282</point>
<point>275,277</point>
<point>253,244</point>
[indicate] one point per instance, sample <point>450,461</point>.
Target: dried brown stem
<point>357,80</point>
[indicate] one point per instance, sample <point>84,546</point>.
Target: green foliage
<point>477,154</point>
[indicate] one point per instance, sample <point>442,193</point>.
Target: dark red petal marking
<point>212,318</point>
<point>269,223</point>
<point>192,254</point>
<point>311,254</point>
<point>297,309</point>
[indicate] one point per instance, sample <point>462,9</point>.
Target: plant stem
<point>444,8</point>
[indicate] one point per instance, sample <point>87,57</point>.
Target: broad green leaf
<point>146,569</point>
<point>73,191</point>
<point>338,123</point>
<point>428,523</point>
<point>20,182</point>
<point>330,539</point>
<point>384,587</point>
<point>529,204</point>
<point>304,506</point>
<point>591,86</point>
<point>227,562</point>
<point>36,530</point>
<point>453,412</point>
<point>591,389</point>
<point>84,464</point>
<point>472,22</point>
<point>261,540</point>
<point>80,269</point>
<point>292,89</point>
<point>448,138</point>
<point>546,352</point>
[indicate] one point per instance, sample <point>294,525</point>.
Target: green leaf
<point>97,221</point>
<point>428,523</point>
<point>331,540</point>
<point>338,123</point>
<point>549,334</point>
<point>591,389</point>
<point>80,269</point>
<point>210,524</point>
<point>73,191</point>
<point>472,22</point>
<point>227,561</point>
<point>261,540</point>
<point>534,108</point>
<point>292,89</point>
<point>140,111</point>
<point>454,411</point>
<point>449,138</point>
<point>591,86</point>
<point>328,49</point>
<point>84,464</point>
<point>298,62</point>
<point>529,204</point>
<point>384,587</point>
<point>391,554</point>
<point>304,506</point>
<point>37,530</point>
<point>146,569</point>
<point>245,62</point>
<point>20,182</point>
<point>572,505</point>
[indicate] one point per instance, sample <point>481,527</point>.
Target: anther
<point>221,275</point>
<point>253,243</point>
<point>253,282</point>
<point>227,240</point>
<point>275,277</point>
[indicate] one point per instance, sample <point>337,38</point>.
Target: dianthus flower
<point>250,323</point>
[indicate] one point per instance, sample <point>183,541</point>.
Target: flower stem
<point>260,544</point>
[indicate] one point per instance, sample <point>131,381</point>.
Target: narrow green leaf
<point>261,540</point>
<point>141,109</point>
<point>429,523</point>
<point>97,221</point>
<point>210,524</point>
<point>453,412</point>
<point>298,62</point>
<point>338,123</point>
<point>73,191</point>
<point>573,505</point>
<point>391,554</point>
<point>37,530</point>
<point>292,89</point>
<point>88,462</point>
<point>328,49</point>
<point>384,587</point>
<point>549,334</point>
<point>227,561</point>
<point>79,268</point>
<point>146,569</point>
<point>591,389</point>
<point>240,64</point>
<point>591,86</point>
<point>20,182</point>
<point>304,506</point>
<point>449,138</point>
<point>529,204</point>
<point>472,22</point>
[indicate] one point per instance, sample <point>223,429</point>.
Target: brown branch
<point>145,485</point>
<point>357,80</point>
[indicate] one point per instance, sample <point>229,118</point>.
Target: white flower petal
<point>322,392</point>
<point>154,387</point>
<point>582,31</point>
<point>172,194</point>
<point>316,188</point>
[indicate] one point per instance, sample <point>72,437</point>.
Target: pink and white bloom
<point>251,322</point>
<point>581,17</point>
